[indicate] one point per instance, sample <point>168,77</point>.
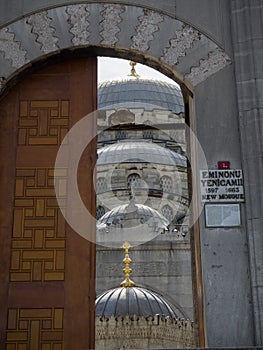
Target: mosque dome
<point>141,213</point>
<point>133,151</point>
<point>140,93</point>
<point>146,315</point>
<point>134,222</point>
<point>133,301</point>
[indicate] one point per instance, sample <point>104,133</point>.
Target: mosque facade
<point>48,84</point>
<point>144,160</point>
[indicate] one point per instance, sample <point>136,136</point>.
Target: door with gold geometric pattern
<point>47,271</point>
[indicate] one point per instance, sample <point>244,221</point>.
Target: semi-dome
<point>133,301</point>
<point>140,93</point>
<point>131,211</point>
<point>132,151</point>
<point>137,223</point>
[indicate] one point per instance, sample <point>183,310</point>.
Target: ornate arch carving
<point>170,42</point>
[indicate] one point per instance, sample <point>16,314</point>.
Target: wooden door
<point>47,271</point>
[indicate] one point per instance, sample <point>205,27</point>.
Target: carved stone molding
<point>123,26</point>
<point>146,29</point>
<point>182,333</point>
<point>216,60</point>
<point>12,49</point>
<point>183,41</point>
<point>78,19</point>
<point>42,27</point>
<point>111,19</point>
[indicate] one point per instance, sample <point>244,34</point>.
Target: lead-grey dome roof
<point>135,212</point>
<point>140,93</point>
<point>135,223</point>
<point>132,301</point>
<point>139,152</point>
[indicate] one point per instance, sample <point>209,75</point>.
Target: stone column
<point>247,29</point>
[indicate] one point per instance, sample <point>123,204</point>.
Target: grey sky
<point>114,68</point>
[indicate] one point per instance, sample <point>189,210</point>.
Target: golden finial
<point>127,270</point>
<point>133,72</point>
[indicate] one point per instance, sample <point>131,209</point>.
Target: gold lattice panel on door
<point>31,329</point>
<point>43,122</point>
<point>38,241</point>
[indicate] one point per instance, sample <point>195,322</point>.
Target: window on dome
<point>133,180</point>
<point>101,185</point>
<point>121,134</point>
<point>167,212</point>
<point>100,211</point>
<point>147,134</point>
<point>166,184</point>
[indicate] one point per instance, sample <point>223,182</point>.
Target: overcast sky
<point>114,68</point>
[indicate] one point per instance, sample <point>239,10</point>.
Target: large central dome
<point>140,93</point>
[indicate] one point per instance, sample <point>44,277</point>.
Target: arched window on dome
<point>166,184</point>
<point>121,134</point>
<point>147,134</point>
<point>133,180</point>
<point>101,185</point>
<point>167,212</point>
<point>100,211</point>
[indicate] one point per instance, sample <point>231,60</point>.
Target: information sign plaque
<point>222,215</point>
<point>222,185</point>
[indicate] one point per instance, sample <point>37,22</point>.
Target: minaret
<point>127,270</point>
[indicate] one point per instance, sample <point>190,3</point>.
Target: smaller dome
<point>136,223</point>
<point>139,152</point>
<point>135,212</point>
<point>130,300</point>
<point>133,301</point>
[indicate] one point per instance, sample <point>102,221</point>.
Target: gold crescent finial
<point>127,270</point>
<point>133,72</point>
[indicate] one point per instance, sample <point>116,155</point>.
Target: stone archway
<point>175,48</point>
<point>166,43</point>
